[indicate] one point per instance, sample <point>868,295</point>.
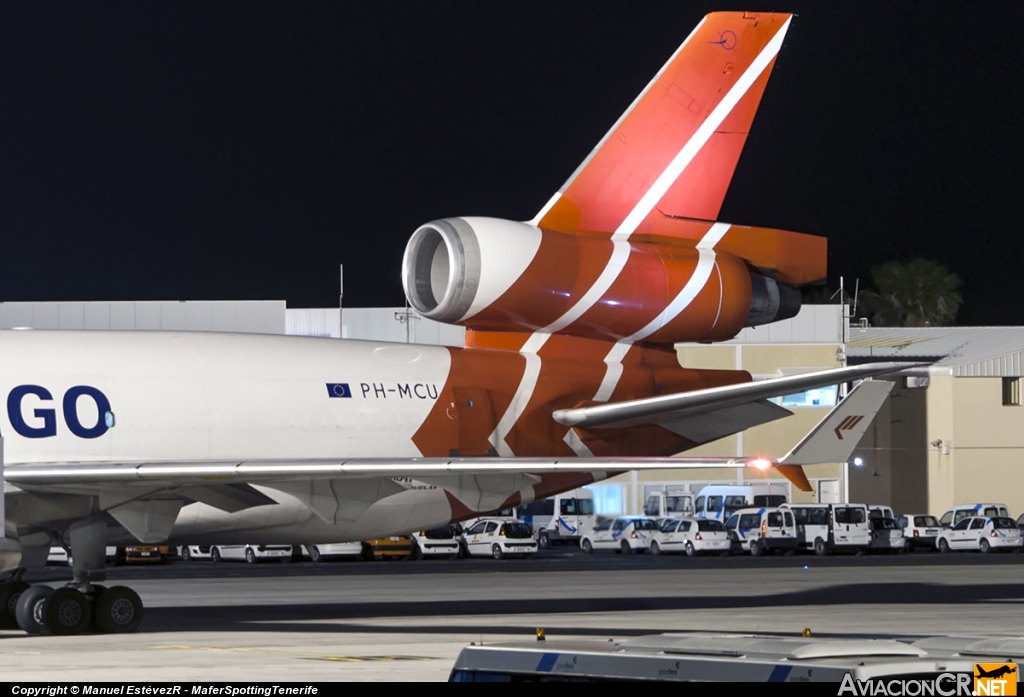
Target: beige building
<point>813,340</point>
<point>952,431</point>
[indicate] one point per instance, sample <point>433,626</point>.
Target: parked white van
<point>762,530</point>
<point>564,518</point>
<point>719,502</point>
<point>824,527</point>
<point>969,510</point>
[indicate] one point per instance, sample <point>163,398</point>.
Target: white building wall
<point>243,316</point>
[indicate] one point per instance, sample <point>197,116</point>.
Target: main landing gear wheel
<point>118,610</point>
<point>67,612</point>
<point>10,592</point>
<point>29,611</point>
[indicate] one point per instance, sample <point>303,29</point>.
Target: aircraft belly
<point>289,521</point>
<point>206,396</point>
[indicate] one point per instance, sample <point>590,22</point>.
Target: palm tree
<point>921,293</point>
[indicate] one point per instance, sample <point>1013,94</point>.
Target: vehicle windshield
<point>925,521</point>
<point>710,526</point>
<point>516,531</point>
<point>1004,523</point>
<point>643,524</point>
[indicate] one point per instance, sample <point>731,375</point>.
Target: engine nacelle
<point>497,275</point>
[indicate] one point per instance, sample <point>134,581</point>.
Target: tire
<point>10,592</point>
<point>214,555</point>
<point>655,549</point>
<point>29,611</point>
<point>67,612</point>
<point>820,548</point>
<point>186,553</point>
<point>984,546</point>
<point>943,545</point>
<point>544,540</point>
<point>755,548</point>
<point>118,610</point>
<point>588,548</point>
<point>496,553</point>
<point>624,546</point>
<point>250,556</point>
<point>691,551</point>
<point>314,554</point>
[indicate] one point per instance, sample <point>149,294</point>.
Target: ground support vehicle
<point>762,531</point>
<point>500,538</point>
<point>439,542</point>
<point>969,510</point>
<point>561,519</point>
<point>886,536</point>
<point>691,537</point>
<point>834,526</point>
<point>734,658</point>
<point>919,530</point>
<point>626,534</point>
<point>251,553</point>
<point>982,534</point>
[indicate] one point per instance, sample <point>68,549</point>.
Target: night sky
<point>214,150</point>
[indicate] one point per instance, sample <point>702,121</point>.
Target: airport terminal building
<point>951,432</point>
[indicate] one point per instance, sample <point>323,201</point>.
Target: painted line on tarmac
<point>297,654</point>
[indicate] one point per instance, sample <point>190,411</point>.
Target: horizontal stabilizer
<point>676,407</point>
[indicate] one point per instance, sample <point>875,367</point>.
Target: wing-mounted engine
<point>680,280</point>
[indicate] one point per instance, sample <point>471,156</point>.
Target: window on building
<point>1011,392</point>
<point>822,397</point>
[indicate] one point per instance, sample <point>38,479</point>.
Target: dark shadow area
<point>292,618</point>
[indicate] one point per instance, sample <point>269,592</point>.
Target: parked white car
<point>194,552</point>
<point>626,534</point>
<point>499,538</point>
<point>691,537</point>
<point>251,553</point>
<point>919,530</point>
<point>334,550</point>
<point>762,530</point>
<point>982,534</point>
<point>439,542</point>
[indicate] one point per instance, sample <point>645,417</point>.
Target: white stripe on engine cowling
<point>620,253</point>
<point>693,287</point>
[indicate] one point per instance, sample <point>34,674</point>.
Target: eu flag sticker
<point>338,389</point>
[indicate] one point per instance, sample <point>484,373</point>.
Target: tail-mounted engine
<point>670,284</point>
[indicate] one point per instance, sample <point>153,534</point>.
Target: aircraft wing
<point>745,402</point>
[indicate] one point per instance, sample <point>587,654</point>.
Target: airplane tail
<point>837,435</point>
<point>676,147</point>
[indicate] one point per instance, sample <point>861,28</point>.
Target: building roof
<point>958,351</point>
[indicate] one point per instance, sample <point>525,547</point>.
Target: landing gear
<point>10,592</point>
<point>29,611</point>
<point>118,610</point>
